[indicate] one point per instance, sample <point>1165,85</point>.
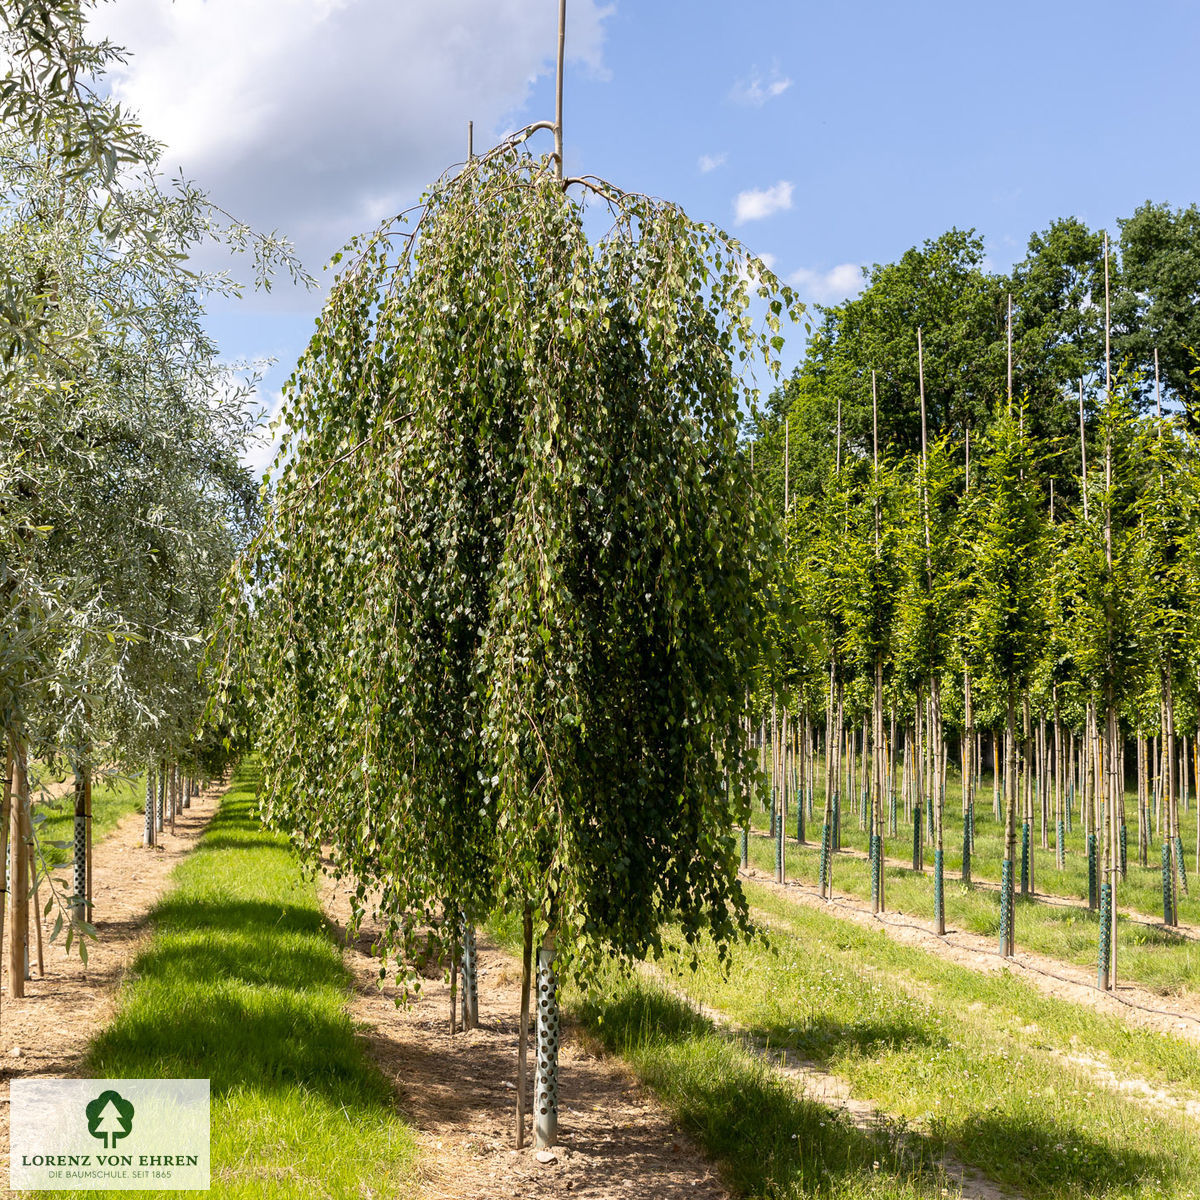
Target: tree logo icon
<point>110,1117</point>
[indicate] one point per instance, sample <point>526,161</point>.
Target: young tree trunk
<point>939,811</point>
<point>1060,825</point>
<point>87,808</point>
<point>1171,822</point>
<point>1104,786</point>
<point>1007,891</point>
<point>79,899</point>
<point>877,786</point>
<point>969,768</point>
<point>35,910</point>
<point>997,776</point>
<point>5,818</point>
<point>523,1034</point>
<point>18,939</point>
<point>545,1096</point>
<point>826,871</point>
<point>454,991</point>
<point>151,792</point>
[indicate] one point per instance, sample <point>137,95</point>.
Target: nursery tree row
<point>122,498</point>
<point>1000,572</point>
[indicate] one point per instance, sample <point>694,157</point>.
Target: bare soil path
<point>47,1032</point>
<point>1179,1016</point>
<point>616,1141</point>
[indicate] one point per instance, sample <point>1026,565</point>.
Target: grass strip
<point>243,984</point>
<point>971,1060</point>
<point>1153,956</point>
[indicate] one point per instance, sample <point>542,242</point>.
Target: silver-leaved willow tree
<point>495,637</point>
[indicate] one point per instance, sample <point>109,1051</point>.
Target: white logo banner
<point>108,1134</point>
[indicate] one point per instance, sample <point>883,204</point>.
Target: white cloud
<point>828,287</point>
<point>320,116</point>
<point>710,162</point>
<point>264,442</point>
<point>768,261</point>
<point>754,205</point>
<point>756,91</point>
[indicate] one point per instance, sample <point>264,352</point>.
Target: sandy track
<point>47,1032</point>
<point>459,1092</point>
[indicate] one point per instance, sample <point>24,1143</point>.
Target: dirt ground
<point>616,1141</point>
<point>1065,981</point>
<point>47,1032</point>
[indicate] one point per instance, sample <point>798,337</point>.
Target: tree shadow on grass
<point>773,1140</point>
<point>1045,1158</point>
<point>823,1040</point>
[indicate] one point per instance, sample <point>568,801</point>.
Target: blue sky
<point>849,131</point>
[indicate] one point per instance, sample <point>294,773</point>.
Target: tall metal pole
<point>558,93</point>
<point>839,436</point>
<point>1010,394</point>
<point>1107,329</point>
<point>1083,452</point>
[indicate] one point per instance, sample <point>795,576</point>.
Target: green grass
<point>1150,954</point>
<point>973,1061</point>
<point>242,984</point>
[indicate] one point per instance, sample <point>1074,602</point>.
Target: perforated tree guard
<point>79,881</point>
<point>939,891</point>
<point>966,854</point>
<point>917,864</point>
<point>1167,890</point>
<point>545,1091</point>
<point>1093,894</point>
<point>779,840</point>
<point>1024,858</point>
<point>1007,925</point>
<point>745,847</point>
<point>1105,936</point>
<point>470,976</point>
<point>148,833</point>
<point>1124,849</point>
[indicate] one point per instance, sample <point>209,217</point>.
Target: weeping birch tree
<point>498,630</point>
